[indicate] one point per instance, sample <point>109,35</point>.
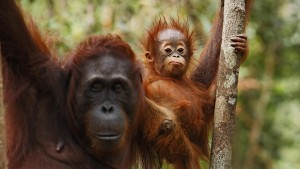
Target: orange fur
<point>188,100</point>
<point>189,141</point>
<point>162,24</point>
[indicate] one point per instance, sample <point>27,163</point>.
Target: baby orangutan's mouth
<point>175,63</point>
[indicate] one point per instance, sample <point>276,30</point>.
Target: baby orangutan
<point>190,98</point>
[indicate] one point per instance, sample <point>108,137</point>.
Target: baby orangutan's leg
<point>158,120</point>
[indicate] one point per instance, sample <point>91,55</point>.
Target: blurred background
<point>268,112</point>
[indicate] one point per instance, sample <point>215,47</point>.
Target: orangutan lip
<point>175,63</point>
<point>108,136</point>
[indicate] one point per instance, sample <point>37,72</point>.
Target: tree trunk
<point>226,95</point>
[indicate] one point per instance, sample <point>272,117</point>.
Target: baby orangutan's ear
<point>148,56</point>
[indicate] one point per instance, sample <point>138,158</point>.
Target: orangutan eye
<point>97,87</point>
<point>168,50</point>
<point>180,50</point>
<point>118,87</point>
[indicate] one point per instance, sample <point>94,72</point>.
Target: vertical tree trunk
<point>226,97</point>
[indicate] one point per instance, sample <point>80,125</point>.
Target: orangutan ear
<point>148,56</point>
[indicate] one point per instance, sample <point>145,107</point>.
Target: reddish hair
<point>161,24</point>
<point>97,44</point>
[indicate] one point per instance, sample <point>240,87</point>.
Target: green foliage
<point>269,101</point>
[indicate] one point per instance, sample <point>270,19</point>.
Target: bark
<point>226,95</point>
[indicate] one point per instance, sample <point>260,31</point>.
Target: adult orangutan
<point>78,114</point>
<point>169,50</point>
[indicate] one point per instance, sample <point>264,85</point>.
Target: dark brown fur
<point>42,130</point>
